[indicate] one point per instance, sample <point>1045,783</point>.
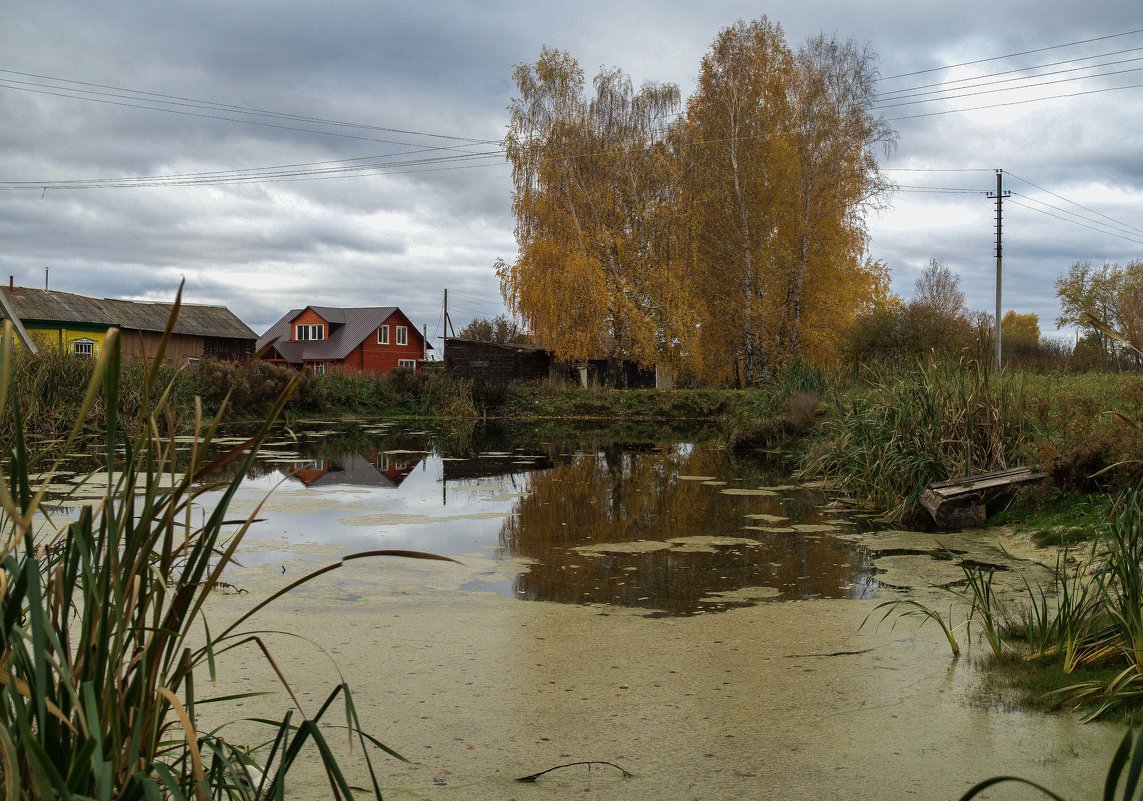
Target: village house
<point>78,324</point>
<point>323,338</point>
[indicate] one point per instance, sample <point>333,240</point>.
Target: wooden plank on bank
<point>961,501</point>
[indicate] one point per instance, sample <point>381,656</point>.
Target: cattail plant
<point>102,659</point>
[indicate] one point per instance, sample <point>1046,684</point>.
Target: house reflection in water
<point>385,469</point>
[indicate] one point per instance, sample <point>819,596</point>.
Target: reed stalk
<point>101,653</point>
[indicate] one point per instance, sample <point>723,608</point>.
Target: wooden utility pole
<point>999,194</point>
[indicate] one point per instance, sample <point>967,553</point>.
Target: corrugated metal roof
<point>43,305</point>
<point>355,325</point>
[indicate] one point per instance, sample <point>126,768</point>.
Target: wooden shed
<point>494,362</point>
<point>78,324</point>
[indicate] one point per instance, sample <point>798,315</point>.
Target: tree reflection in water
<point>637,498</point>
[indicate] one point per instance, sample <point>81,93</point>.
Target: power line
<point>1013,55</point>
<point>1007,88</point>
<point>196,103</point>
<point>954,81</point>
<point>1125,229</point>
<point>937,169</point>
<point>9,85</point>
<point>1138,241</point>
<point>1014,103</point>
<point>1019,83</point>
<point>1077,205</point>
<point>944,190</point>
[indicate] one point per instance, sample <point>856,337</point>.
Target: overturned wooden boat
<point>962,501</point>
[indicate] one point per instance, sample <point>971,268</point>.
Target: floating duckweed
<point>640,546</point>
<point>708,540</point>
<point>767,518</point>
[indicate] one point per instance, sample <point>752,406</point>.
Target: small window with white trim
<point>319,368</point>
<point>307,333</point>
<point>402,335</point>
<point>383,335</point>
<point>83,347</point>
<point>410,363</point>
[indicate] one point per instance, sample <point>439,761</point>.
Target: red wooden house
<point>370,339</point>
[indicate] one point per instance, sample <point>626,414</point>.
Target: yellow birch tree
<point>836,136</point>
<point>592,198</point>
<point>738,163</point>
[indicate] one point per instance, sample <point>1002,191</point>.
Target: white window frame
<point>319,368</point>
<point>402,335</point>
<point>383,335</point>
<point>311,332</point>
<point>410,363</point>
<point>88,346</point>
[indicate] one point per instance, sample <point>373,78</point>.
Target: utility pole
<point>999,194</point>
<point>447,320</point>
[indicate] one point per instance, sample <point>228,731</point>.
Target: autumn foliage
<point>727,236</point>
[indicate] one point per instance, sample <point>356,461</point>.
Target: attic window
<point>402,335</point>
<point>304,333</point>
<point>383,335</point>
<point>83,347</point>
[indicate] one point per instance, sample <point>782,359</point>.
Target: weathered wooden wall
<point>494,363</point>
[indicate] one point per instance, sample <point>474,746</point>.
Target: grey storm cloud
<point>406,83</point>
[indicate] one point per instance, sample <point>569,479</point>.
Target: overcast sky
<point>349,86</point>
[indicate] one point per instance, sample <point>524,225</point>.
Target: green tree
<point>1097,298</point>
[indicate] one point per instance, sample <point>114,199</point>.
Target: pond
<point>698,617</point>
<point>672,529</point>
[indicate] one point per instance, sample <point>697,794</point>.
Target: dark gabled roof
<point>355,326</point>
<point>50,306</point>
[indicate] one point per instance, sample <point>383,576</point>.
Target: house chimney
<point>11,282</point>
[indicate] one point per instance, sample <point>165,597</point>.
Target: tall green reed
<point>102,622</point>
<point>886,442</point>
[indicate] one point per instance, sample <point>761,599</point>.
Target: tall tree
<point>781,169</point>
<point>738,157</point>
<point>836,139</point>
<point>591,193</point>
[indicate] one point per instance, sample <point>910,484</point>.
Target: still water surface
<point>674,529</point>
